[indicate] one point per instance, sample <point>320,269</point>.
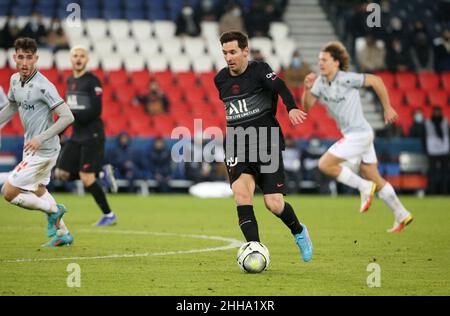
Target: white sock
<point>110,215</point>
<point>387,194</point>
<point>351,179</point>
<point>31,201</point>
<point>49,198</point>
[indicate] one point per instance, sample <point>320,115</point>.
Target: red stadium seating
<point>406,80</point>
<point>51,74</point>
<point>396,97</point>
<point>438,97</point>
<point>117,78</point>
<point>429,80</point>
<point>186,80</point>
<point>140,79</point>
<point>445,79</point>
<point>388,79</point>
<point>416,98</point>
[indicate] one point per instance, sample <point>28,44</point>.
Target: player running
<point>82,156</point>
<point>250,92</point>
<point>338,90</point>
<point>36,99</point>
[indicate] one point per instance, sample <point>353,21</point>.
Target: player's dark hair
<point>339,53</point>
<point>230,36</point>
<point>26,44</point>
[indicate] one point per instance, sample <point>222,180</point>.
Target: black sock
<point>247,222</point>
<point>290,219</point>
<point>97,192</point>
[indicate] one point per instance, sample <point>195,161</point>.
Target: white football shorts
<point>32,171</point>
<point>355,148</point>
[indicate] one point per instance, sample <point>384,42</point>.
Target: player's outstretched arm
<point>308,99</point>
<point>390,115</point>
<point>7,113</point>
<point>65,118</point>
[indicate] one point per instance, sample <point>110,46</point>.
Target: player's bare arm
<point>390,115</point>
<point>308,99</point>
<point>65,118</point>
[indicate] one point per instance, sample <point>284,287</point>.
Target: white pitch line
<point>233,243</point>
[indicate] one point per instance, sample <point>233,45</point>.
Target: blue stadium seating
<point>22,11</point>
<point>135,14</point>
<point>111,14</point>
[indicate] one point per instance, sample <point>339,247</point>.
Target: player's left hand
<point>31,146</point>
<point>297,116</point>
<point>390,116</point>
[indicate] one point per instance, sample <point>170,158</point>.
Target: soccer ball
<point>253,257</point>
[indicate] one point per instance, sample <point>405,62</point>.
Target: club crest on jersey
<point>236,89</point>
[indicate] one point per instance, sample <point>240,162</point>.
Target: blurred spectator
<point>417,128</point>
<point>209,9</point>
<point>35,29</point>
<point>398,57</point>
<point>296,72</point>
<point>56,38</point>
<point>160,164</point>
<point>232,19</point>
<point>422,54</point>
<point>256,55</point>
<point>438,150</point>
<point>292,165</point>
<point>155,102</point>
<point>442,52</point>
<point>372,57</point>
<point>121,158</point>
<point>257,21</point>
<point>3,99</point>
<point>9,33</point>
<point>310,164</point>
<point>188,22</point>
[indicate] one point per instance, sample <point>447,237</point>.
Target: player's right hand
<point>309,80</point>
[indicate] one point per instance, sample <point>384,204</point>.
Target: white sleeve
<point>353,80</point>
<point>50,95</point>
<point>3,98</point>
<point>316,89</point>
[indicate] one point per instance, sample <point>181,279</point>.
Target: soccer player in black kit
<point>250,90</point>
<point>82,155</point>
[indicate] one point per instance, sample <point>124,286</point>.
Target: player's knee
<point>87,178</point>
<point>323,165</point>
<point>274,204</point>
<point>8,195</point>
<point>242,196</point>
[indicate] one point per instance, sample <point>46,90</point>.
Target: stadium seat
<point>428,80</point>
<point>96,29</point>
<point>278,30</point>
<point>264,44</point>
<point>82,41</point>
<point>202,64</point>
<point>284,50</point>
<point>117,78</point>
<point>142,30</point>
<point>103,47</point>
<point>193,46</point>
<point>157,63</point>
<point>396,97</point>
<point>111,62</point>
<point>119,29</point>
<point>180,63</point>
<point>416,98</point>
<point>134,62</point>
<point>164,30</point>
<point>45,58</point>
<point>3,58</point>
<point>51,74</point>
<point>126,46</point>
<point>94,61</point>
<point>148,47</point>
<point>273,62</point>
<point>445,79</point>
<point>438,97</point>
<point>406,80</point>
<point>62,60</point>
<point>186,79</point>
<point>388,79</point>
<point>219,62</point>
<point>112,14</point>
<point>140,78</point>
<point>165,79</point>
<point>209,29</point>
<point>135,14</point>
<point>171,47</point>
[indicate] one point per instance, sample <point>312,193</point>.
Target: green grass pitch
<point>147,253</point>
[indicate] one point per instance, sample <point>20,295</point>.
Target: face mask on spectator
<point>418,117</point>
<point>187,11</point>
<point>236,12</point>
<point>296,62</point>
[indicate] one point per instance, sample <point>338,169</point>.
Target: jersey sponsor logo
<point>26,106</point>
<point>272,76</point>
<point>73,103</point>
<point>242,104</point>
